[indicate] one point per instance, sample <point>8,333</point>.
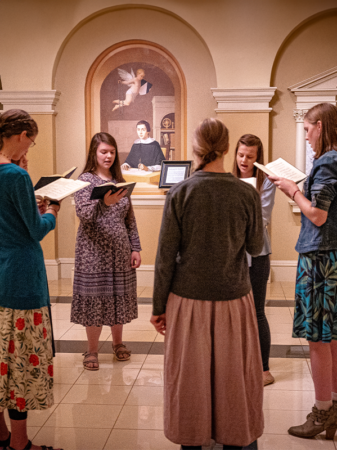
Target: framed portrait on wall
<point>173,172</point>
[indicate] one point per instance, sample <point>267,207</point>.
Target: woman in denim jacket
<point>316,283</point>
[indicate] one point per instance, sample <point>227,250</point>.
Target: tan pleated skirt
<point>213,380</point>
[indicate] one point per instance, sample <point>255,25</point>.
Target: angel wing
<point>126,76</point>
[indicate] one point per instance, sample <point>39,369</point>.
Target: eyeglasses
<point>33,143</point>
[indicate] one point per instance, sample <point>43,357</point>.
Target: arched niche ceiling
<point>102,31</point>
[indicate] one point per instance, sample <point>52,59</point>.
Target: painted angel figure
<point>137,85</point>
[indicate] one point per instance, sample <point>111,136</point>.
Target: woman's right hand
<point>114,198</point>
<point>159,322</point>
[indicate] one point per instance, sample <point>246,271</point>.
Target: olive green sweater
<point>209,223</point>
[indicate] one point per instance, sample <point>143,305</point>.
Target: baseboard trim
<point>145,275</point>
<point>283,270</point>
<point>67,265</point>
<point>53,269</point>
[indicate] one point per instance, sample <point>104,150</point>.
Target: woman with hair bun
<point>203,303</point>
<point>26,354</point>
<point>249,150</point>
<point>315,317</point>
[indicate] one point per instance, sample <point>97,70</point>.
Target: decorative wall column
<point>300,139</point>
<point>41,106</point>
<point>244,111</point>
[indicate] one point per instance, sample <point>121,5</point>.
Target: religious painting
<point>137,94</point>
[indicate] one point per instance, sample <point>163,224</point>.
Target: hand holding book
<point>289,187</point>
<point>112,199</point>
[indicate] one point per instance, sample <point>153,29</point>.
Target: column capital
<point>299,115</point>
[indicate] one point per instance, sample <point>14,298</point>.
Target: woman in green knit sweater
<point>26,357</point>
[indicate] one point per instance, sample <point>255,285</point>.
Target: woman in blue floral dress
<point>315,316</point>
<point>26,355</point>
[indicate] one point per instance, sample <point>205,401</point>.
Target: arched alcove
<point>94,39</point>
<point>308,51</point>
<point>143,53</point>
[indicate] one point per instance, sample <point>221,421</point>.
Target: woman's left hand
<point>135,260</point>
<point>287,186</point>
<point>159,322</point>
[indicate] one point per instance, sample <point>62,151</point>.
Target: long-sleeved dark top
<point>209,223</point>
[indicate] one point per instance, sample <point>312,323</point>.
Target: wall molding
<point>148,200</point>
<point>34,102</point>
<point>283,270</point>
<point>243,99</point>
<point>53,269</point>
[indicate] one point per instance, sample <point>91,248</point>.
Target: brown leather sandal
<point>120,351</point>
<point>90,358</point>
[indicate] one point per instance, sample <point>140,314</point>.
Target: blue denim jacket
<point>321,189</point>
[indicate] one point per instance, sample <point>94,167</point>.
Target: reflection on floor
<point>120,407</point>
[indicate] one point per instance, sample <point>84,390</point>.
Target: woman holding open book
<point>107,254</point>
<point>315,316</point>
<point>26,355</point>
<point>203,303</point>
<point>249,150</point>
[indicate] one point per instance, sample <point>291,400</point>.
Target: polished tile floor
<point>120,407</point>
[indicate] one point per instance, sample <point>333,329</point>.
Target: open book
<point>60,189</point>
<point>99,191</point>
<point>43,181</point>
<point>282,168</point>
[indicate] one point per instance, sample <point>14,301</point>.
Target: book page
<point>250,180</point>
<point>60,189</point>
<point>133,171</point>
<point>264,169</point>
<point>175,174</point>
<point>283,169</point>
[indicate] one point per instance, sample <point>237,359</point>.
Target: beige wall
<point>217,43</point>
<point>256,28</point>
<point>308,52</point>
<point>41,160</point>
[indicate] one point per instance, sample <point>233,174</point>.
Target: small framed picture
<point>174,171</point>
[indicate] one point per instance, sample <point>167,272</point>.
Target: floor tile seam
<point>58,404</point>
<point>107,439</point>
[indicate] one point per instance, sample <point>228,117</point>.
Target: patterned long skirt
<point>26,359</point>
<point>315,316</point>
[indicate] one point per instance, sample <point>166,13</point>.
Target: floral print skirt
<point>26,359</point>
<point>315,317</point>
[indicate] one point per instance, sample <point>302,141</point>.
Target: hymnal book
<point>60,189</point>
<point>250,180</point>
<point>43,181</point>
<point>283,169</point>
<point>99,191</point>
